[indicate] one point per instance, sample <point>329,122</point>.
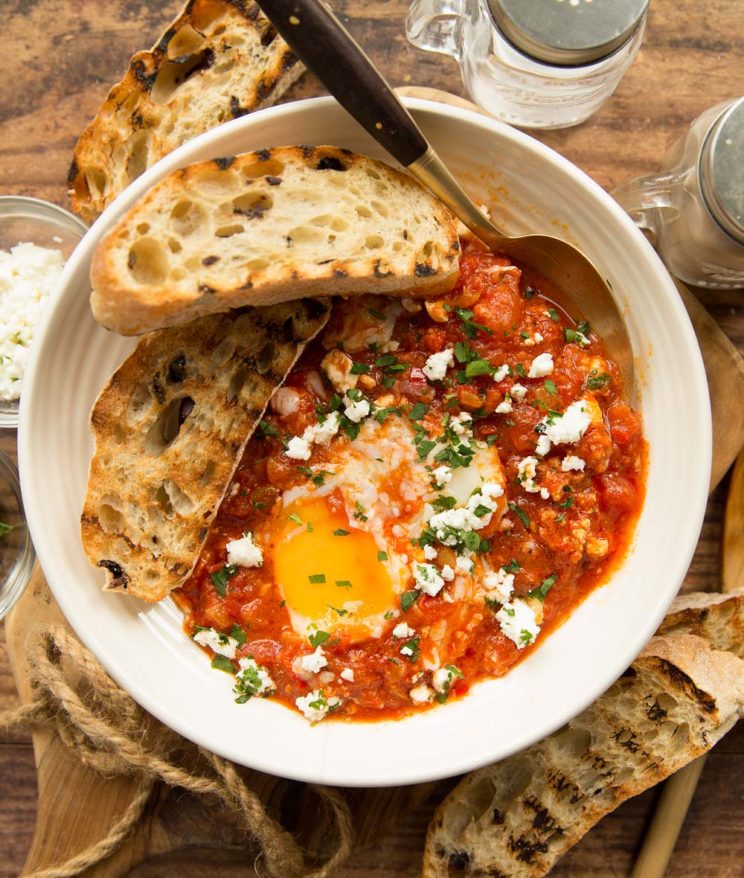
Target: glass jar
<point>37,222</point>
<point>16,550</point>
<point>533,63</point>
<point>695,205</point>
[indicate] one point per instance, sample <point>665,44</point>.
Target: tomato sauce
<point>561,543</point>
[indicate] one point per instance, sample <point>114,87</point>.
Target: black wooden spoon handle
<point>339,62</point>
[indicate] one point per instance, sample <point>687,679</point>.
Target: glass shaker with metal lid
<point>695,205</point>
<point>534,63</point>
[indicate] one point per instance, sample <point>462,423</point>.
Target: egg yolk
<point>321,563</point>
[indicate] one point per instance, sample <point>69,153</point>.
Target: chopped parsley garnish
<point>340,610</point>
<point>453,673</point>
<point>553,314</point>
<point>317,638</point>
<point>5,529</point>
<point>340,532</point>
<point>529,292</point>
<point>238,634</point>
<point>359,369</point>
<point>596,381</point>
<point>443,502</point>
<point>343,583</point>
<point>385,360</point>
<point>317,578</point>
<point>222,663</point>
<point>267,429</point>
<point>525,637</point>
<point>550,387</point>
<point>512,566</point>
<point>382,556</point>
<point>389,615</point>
<point>566,504</point>
<point>359,512</point>
<point>220,577</point>
<point>373,312</point>
<point>469,326</point>
<point>382,414</point>
<point>248,684</point>
<point>464,353</point>
<point>541,592</point>
<point>408,599</point>
<point>519,369</point>
<point>583,327</point>
<point>318,478</point>
<point>412,649</point>
<point>521,514</point>
<point>478,367</point>
<point>295,518</point>
<point>418,410</point>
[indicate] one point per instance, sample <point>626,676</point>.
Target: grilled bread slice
<point>170,428</point>
<point>218,60</point>
<point>270,226</point>
<point>516,818</point>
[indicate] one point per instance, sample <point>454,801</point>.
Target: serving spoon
<point>328,49</point>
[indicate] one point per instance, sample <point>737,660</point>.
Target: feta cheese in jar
<point>28,275</point>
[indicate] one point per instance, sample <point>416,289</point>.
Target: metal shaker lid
<point>721,170</point>
<point>568,32</point>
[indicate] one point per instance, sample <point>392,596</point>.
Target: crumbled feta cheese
<point>347,674</point>
<point>564,429</point>
<point>244,552</point>
<point>462,424</point>
<point>541,366</point>
<point>321,434</point>
<point>448,574</point>
<point>443,678</point>
<point>527,473</point>
<point>403,630</point>
<point>442,476</point>
<point>518,391</point>
<point>465,518</point>
<point>222,644</point>
<point>499,585</point>
<point>421,694</point>
<point>253,679</point>
<point>463,564</point>
<point>545,493</point>
<point>538,337</point>
<point>427,579</point>
<point>518,623</point>
<point>572,462</point>
<point>505,407</point>
<point>28,275</point>
<point>543,446</point>
<point>338,365</point>
<point>437,364</point>
<point>501,373</point>
<point>298,448</point>
<point>315,706</point>
<point>430,553</point>
<point>314,662</point>
<point>356,410</point>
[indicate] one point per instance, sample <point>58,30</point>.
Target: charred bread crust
<point>270,226</point>
<point>170,428</point>
<point>140,122</point>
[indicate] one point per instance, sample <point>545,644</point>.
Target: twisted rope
<point>111,734</point>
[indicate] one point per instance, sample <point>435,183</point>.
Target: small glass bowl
<point>16,550</point>
<point>43,224</point>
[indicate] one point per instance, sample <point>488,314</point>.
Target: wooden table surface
<point>59,58</point>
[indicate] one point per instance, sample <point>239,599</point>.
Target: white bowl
<point>144,648</point>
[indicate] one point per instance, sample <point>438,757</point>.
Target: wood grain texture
<point>61,56</point>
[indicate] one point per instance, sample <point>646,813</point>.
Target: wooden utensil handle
<point>339,62</point>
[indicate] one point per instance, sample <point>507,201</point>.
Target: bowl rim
<point>697,484</point>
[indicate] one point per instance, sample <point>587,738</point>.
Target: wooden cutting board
<point>77,806</point>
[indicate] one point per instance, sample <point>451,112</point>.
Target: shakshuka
<point>435,487</point>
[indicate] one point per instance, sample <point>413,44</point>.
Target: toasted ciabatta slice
<point>218,60</point>
<point>719,618</point>
<point>516,818</point>
<point>270,226</point>
<point>170,428</point>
